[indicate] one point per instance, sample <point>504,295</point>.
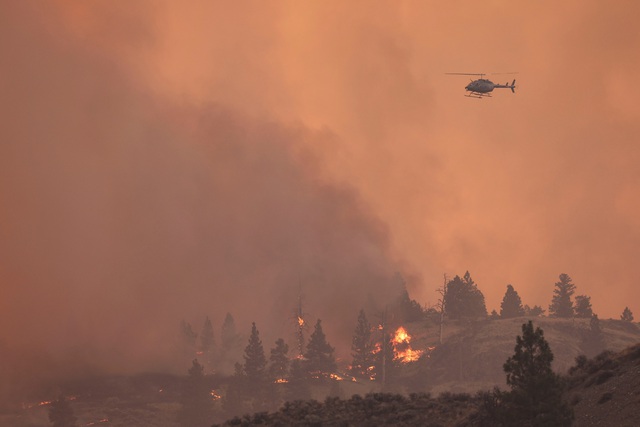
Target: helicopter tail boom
<point>511,86</point>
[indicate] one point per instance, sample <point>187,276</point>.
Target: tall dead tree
<point>440,305</point>
<point>300,325</point>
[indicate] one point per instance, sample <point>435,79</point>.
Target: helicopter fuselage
<point>480,86</point>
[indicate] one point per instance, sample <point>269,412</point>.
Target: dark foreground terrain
<point>603,390</point>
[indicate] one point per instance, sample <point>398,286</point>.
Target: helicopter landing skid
<point>478,95</point>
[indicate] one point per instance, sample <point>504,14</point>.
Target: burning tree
<point>402,347</point>
<point>319,359</point>
<point>385,361</point>
<point>362,348</point>
<point>300,326</point>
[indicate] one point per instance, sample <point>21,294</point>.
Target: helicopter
<point>482,88</point>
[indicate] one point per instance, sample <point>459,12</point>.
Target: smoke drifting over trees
<point>162,162</point>
<point>124,212</point>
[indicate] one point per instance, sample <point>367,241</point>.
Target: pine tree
<point>593,339</point>
<point>464,299</point>
<point>582,306</point>
<point>536,392</point>
<point>189,338</point>
<point>197,406</point>
<point>61,413</point>
<point>228,336</point>
<point>298,386</point>
<point>319,355</point>
<point>561,304</point>
<point>207,342</point>
<point>534,311</point>
<point>362,348</point>
<point>188,335</point>
<point>279,362</point>
<point>406,309</point>
<point>511,305</point>
<point>255,361</point>
<point>230,349</point>
<point>233,402</point>
<point>627,315</point>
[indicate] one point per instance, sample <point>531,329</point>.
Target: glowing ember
<point>214,395</point>
<point>336,377</point>
<point>281,381</point>
<point>300,321</point>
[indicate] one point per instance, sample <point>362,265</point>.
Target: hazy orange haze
<point>161,161</point>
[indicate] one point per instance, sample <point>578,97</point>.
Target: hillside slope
<point>472,354</point>
<point>605,390</point>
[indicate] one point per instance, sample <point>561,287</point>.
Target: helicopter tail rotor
<point>513,86</point>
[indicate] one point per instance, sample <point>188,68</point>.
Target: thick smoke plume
<point>162,161</point>
<point>124,212</point>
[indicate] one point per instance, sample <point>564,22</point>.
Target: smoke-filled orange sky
<point>162,160</point>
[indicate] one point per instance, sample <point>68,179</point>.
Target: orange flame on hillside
<point>402,347</point>
<point>336,377</point>
<point>300,321</point>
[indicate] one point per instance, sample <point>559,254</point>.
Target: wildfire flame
<point>402,347</point>
<point>300,321</point>
<point>281,381</point>
<point>214,395</point>
<point>401,336</point>
<point>336,377</point>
